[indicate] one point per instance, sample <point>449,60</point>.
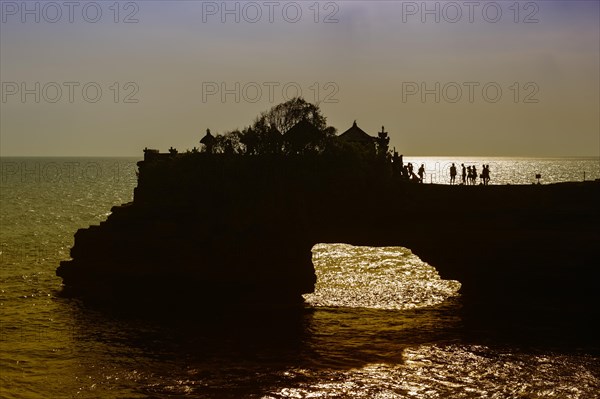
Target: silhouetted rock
<point>213,229</point>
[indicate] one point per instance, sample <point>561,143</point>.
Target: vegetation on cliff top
<point>295,127</point>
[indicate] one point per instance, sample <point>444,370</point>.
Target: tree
<point>264,136</point>
<point>261,138</point>
<point>286,115</point>
<point>229,143</point>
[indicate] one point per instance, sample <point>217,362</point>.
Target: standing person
<point>452,174</point>
<point>487,174</point>
<point>469,175</point>
<point>464,173</point>
<point>482,175</point>
<point>421,173</point>
<point>474,171</point>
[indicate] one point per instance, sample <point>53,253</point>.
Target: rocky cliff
<point>210,229</point>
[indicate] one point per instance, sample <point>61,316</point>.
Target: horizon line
<point>404,155</point>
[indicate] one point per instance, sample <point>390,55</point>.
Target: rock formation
<point>206,229</point>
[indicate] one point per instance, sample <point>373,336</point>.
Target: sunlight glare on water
<point>456,371</point>
<point>379,278</point>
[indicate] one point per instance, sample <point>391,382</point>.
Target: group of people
<point>408,172</point>
<point>469,174</point>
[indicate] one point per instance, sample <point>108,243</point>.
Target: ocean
<point>381,323</point>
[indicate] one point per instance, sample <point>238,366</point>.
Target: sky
<point>445,78</point>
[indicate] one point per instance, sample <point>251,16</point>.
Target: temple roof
<point>208,139</point>
<point>356,135</point>
<point>302,132</point>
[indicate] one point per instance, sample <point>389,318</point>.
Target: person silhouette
<point>421,173</point>
<point>464,173</point>
<point>474,174</point>
<point>483,175</point>
<point>469,175</point>
<point>452,173</point>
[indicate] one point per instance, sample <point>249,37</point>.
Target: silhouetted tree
<point>264,136</point>
<point>261,138</point>
<point>286,115</point>
<point>229,143</point>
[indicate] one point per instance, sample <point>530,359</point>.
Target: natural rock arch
<point>209,228</point>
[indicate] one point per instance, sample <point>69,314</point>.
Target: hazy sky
<point>445,78</point>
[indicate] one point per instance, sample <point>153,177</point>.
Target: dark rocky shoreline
<point>205,230</point>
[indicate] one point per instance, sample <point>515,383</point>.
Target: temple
<point>302,138</point>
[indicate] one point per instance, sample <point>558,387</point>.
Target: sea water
<point>381,323</point>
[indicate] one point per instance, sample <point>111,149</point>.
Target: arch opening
<point>376,277</point>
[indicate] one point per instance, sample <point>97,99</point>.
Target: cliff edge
<point>210,229</point>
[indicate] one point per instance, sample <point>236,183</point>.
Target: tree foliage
<point>265,134</point>
<point>285,115</point>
